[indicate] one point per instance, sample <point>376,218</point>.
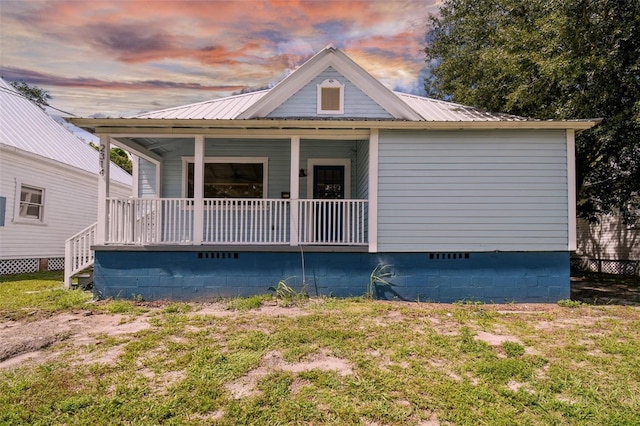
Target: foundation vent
<point>217,255</point>
<point>448,256</point>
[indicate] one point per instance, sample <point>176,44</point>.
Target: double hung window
<point>31,203</point>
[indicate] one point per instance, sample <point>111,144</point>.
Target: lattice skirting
<point>21,266</point>
<point>607,266</point>
<point>56,263</point>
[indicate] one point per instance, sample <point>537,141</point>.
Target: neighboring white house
<point>48,185</point>
<point>609,245</point>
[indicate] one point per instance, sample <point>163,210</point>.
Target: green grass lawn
<point>265,361</point>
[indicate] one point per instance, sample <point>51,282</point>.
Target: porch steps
<point>78,256</point>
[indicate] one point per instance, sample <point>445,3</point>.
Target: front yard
<point>67,360</point>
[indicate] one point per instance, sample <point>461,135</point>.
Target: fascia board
<point>184,127</point>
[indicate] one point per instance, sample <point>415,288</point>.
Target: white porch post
<point>198,190</point>
<point>135,173</point>
<point>294,188</point>
<point>571,180</point>
<point>373,191</point>
<point>103,187</point>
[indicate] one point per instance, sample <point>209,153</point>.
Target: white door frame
<point>346,162</point>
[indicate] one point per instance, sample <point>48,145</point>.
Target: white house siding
<point>472,191</point>
<point>609,239</point>
<point>70,204</point>
<point>304,102</point>
<point>147,180</point>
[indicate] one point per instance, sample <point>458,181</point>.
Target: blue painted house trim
<point>495,277</point>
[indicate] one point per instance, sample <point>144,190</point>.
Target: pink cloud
<point>207,45</point>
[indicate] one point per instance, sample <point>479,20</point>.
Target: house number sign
<point>103,159</point>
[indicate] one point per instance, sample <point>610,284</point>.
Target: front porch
<point>261,189</point>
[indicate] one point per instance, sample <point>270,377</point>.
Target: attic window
<point>331,97</point>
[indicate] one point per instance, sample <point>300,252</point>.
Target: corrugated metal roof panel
<point>437,110</point>
<point>25,126</point>
<point>216,109</point>
<point>230,107</point>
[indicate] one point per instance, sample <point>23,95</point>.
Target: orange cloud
<point>205,45</point>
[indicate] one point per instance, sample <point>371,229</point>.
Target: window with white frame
<point>31,203</point>
<point>229,177</point>
<point>331,97</point>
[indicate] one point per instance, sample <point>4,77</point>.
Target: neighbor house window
<point>331,97</point>
<point>31,205</point>
<point>230,178</point>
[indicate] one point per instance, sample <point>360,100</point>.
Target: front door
<point>328,184</point>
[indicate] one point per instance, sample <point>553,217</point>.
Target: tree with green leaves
<point>118,156</point>
<point>35,94</point>
<point>552,59</point>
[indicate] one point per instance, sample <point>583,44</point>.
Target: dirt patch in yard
<point>23,340</point>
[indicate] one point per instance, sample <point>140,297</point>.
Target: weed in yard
<point>246,303</point>
<point>568,303</point>
<point>468,343</point>
<point>379,278</point>
<point>287,294</point>
<point>177,308</point>
<point>120,306</point>
<point>512,349</point>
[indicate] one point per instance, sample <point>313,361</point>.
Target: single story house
<point>48,185</point>
<point>326,177</point>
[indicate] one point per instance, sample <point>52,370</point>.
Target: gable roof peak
<point>330,56</point>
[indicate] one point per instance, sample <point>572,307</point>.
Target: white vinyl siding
<point>610,238</point>
<point>472,191</point>
<point>71,199</point>
<point>304,103</point>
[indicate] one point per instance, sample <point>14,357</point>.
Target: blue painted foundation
<point>495,277</point>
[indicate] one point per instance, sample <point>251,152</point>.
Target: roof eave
<point>191,126</point>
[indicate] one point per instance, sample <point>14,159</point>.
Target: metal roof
<point>216,109</point>
<point>23,125</point>
<point>437,110</point>
<point>230,108</point>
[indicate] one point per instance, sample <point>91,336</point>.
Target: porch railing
<point>145,221</point>
<point>78,255</point>
<point>246,221</point>
<point>332,222</point>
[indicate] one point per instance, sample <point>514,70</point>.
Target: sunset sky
<point>122,57</point>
